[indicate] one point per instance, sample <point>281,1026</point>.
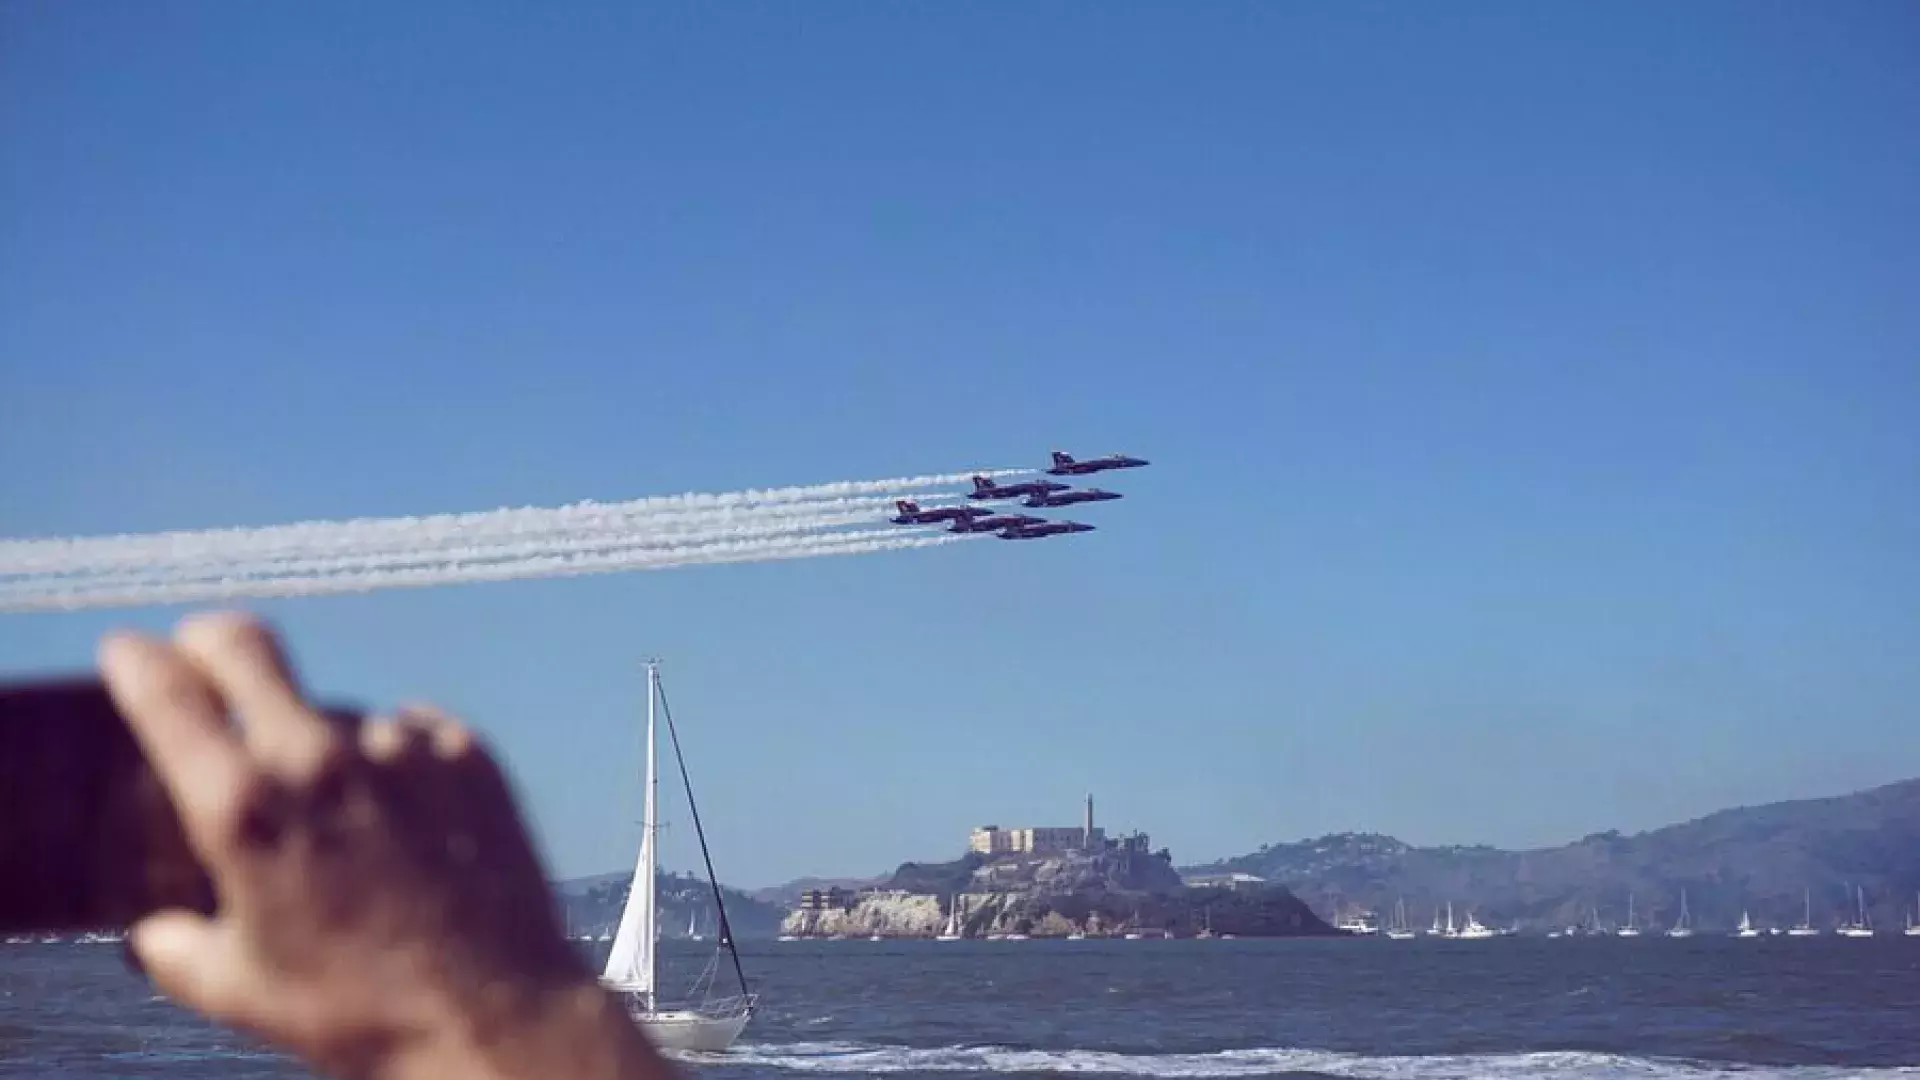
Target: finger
<point>390,741</point>
<point>452,740</point>
<point>244,661</point>
<point>176,717</point>
<point>191,959</point>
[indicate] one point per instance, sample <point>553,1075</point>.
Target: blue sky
<point>1533,390</point>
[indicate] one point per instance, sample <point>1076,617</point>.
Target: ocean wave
<point>1267,1061</point>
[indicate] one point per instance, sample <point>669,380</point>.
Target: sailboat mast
<point>650,845</point>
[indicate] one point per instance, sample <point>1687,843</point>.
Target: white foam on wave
<point>1267,1061</point>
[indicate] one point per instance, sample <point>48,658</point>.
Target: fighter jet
<point>911,514</point>
<point>985,488</point>
<point>1044,529</point>
<point>994,522</point>
<point>1064,465</point>
<point>1068,498</point>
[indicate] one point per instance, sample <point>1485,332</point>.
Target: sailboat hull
<point>688,1029</point>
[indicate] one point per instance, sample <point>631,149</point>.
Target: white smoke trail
<point>91,554</point>
<point>555,565</point>
<point>304,564</point>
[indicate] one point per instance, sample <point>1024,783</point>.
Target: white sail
<point>630,963</point>
<point>951,932</point>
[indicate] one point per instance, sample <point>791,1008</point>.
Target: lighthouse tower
<point>1086,840</point>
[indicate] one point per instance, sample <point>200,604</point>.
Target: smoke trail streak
<point>174,572</point>
<point>871,510</point>
<point>808,547</point>
<point>360,534</point>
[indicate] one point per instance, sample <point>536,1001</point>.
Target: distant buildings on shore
<point>993,840</point>
<point>1236,881</point>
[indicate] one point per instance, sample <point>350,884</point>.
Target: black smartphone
<point>88,838</point>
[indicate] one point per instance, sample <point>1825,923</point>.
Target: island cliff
<point>1110,892</point>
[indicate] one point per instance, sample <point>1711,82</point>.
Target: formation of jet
<point>1065,465</point>
<point>1037,493</point>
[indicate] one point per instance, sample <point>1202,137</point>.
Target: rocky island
<point>1050,882</point>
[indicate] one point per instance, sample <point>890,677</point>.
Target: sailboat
<point>1400,931</point>
<point>1474,930</point>
<point>1683,927</point>
<point>1629,930</point>
<point>1859,927</point>
<point>693,927</point>
<point>1747,929</point>
<point>952,930</point>
<point>713,1024</point>
<point>1913,921</point>
<point>1806,927</point>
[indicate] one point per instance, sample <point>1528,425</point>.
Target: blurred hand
<point>381,910</point>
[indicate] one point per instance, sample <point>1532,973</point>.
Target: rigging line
<point>719,902</point>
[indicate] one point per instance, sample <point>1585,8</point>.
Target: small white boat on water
<point>1913,921</point>
<point>1400,929</point>
<point>1747,929</point>
<point>711,1024</point>
<point>951,932</point>
<point>1632,928</point>
<point>1806,927</point>
<point>1859,927</point>
<point>1683,926</point>
<point>1474,930</point>
<point>1360,923</point>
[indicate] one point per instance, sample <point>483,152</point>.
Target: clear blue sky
<point>1534,390</point>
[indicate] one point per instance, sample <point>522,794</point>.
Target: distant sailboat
<point>632,963</point>
<point>1913,921</point>
<point>1400,931</point>
<point>951,932</point>
<point>1683,927</point>
<point>1806,927</point>
<point>1631,929</point>
<point>1859,927</point>
<point>1206,929</point>
<point>693,926</point>
<point>1747,929</point>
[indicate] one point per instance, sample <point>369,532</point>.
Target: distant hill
<point>593,904</point>
<point>1761,859</point>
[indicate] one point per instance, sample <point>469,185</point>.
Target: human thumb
<point>186,955</point>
